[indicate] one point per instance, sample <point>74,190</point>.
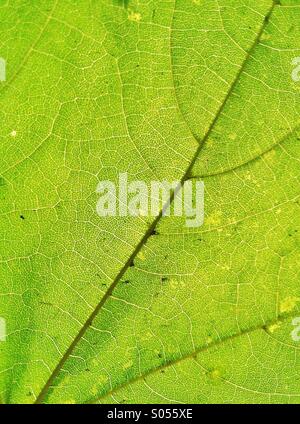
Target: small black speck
<point>22,217</point>
<point>131,264</point>
<point>41,302</point>
<point>126,282</point>
<point>154,233</point>
<point>164,279</point>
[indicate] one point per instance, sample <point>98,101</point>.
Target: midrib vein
<point>195,353</point>
<point>41,397</point>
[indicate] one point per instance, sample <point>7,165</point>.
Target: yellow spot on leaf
<point>273,327</point>
<point>215,374</point>
<point>13,133</point>
<point>103,379</point>
<point>127,365</point>
<point>265,36</point>
<point>214,218</point>
<point>288,304</point>
<point>173,284</point>
<point>94,390</point>
<point>248,176</point>
<point>210,142</point>
<point>146,336</point>
<point>225,268</point>
<point>270,156</point>
<point>135,17</point>
<point>141,256</point>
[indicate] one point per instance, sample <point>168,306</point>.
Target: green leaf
<point>126,309</point>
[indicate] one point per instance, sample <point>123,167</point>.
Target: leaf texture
<point>103,310</point>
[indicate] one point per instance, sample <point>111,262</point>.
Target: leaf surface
<point>166,90</point>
